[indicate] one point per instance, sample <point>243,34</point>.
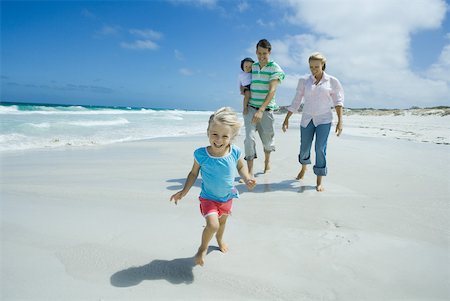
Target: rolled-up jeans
<point>265,131</point>
<point>306,138</point>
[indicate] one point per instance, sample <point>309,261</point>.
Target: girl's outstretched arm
<point>190,180</point>
<point>243,172</point>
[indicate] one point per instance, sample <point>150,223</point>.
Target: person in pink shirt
<point>318,93</point>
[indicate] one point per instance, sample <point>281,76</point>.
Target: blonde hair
<point>318,57</point>
<point>226,116</point>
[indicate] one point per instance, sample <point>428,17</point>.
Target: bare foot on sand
<point>266,166</point>
<point>319,186</point>
<point>223,247</point>
<point>200,257</point>
<point>301,174</point>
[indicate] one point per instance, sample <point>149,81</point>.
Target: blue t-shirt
<point>218,174</point>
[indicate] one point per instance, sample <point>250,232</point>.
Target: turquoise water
<point>33,126</point>
<point>36,126</point>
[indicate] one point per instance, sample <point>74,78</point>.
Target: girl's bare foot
<point>200,257</point>
<point>301,174</point>
<point>319,188</point>
<point>223,247</point>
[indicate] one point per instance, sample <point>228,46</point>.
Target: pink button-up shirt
<point>318,99</point>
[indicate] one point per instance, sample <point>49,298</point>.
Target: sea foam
<point>28,126</point>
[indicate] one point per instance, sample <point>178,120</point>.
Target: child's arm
<point>246,99</point>
<point>190,180</point>
<point>243,172</point>
<point>242,89</point>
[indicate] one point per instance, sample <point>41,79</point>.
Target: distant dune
<point>439,111</point>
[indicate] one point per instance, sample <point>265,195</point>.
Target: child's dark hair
<point>247,59</point>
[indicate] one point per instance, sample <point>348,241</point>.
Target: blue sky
<point>186,54</point>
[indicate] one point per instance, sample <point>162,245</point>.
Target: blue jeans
<point>306,138</point>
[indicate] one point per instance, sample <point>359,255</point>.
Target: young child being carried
<point>217,163</point>
<point>245,80</point>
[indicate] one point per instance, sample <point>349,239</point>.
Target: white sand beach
<point>96,224</point>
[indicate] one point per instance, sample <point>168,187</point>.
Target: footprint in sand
<point>335,239</point>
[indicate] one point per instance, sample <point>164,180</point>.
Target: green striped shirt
<point>260,83</point>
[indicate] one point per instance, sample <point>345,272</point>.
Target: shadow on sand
<point>266,186</point>
<point>176,271</point>
<point>180,183</point>
<point>262,185</point>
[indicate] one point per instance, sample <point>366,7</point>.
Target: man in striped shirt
<point>266,75</point>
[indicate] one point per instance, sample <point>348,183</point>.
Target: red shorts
<point>208,207</point>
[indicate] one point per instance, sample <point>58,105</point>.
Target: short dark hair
<point>247,59</point>
<point>264,44</point>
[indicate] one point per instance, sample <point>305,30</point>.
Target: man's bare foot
<point>223,247</point>
<point>200,257</point>
<point>301,174</point>
<point>319,188</point>
<point>266,166</point>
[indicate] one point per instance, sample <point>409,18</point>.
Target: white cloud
<point>109,30</point>
<point>441,69</point>
<point>367,44</point>
<point>186,72</point>
<point>264,24</point>
<point>291,81</point>
<point>293,51</point>
<point>146,33</point>
<point>243,6</point>
<point>140,45</point>
<point>146,43</point>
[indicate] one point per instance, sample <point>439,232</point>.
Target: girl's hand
<point>176,197</point>
<point>245,111</point>
<point>250,183</point>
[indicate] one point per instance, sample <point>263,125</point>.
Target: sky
<point>185,54</point>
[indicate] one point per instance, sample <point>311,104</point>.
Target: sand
<point>96,224</point>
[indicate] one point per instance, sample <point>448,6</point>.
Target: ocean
<point>47,126</point>
<point>26,126</point>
